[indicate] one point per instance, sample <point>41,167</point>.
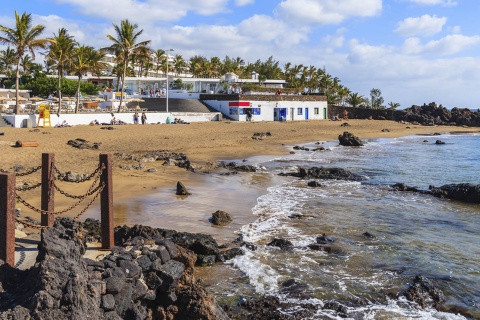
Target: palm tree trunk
<point>17,84</point>
<point>78,94</point>
<point>59,90</point>
<point>123,85</point>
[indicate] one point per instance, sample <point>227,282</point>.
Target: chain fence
<point>94,189</point>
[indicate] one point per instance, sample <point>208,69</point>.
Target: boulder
<point>221,218</point>
<point>281,243</point>
<point>349,140</point>
<point>466,192</point>
<point>423,292</point>
<point>182,190</point>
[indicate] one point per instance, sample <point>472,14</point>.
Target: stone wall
<point>361,113</point>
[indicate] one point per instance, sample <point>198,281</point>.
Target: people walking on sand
<point>144,118</point>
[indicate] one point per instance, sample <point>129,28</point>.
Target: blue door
<point>306,113</point>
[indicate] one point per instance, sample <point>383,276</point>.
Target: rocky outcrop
<point>349,140</point>
<point>84,144</point>
<point>427,114</point>
<point>324,173</point>
<point>466,192</point>
<point>233,166</point>
<point>169,158</point>
<point>151,278</point>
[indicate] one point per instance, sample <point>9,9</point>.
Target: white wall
<point>86,118</point>
<point>267,109</point>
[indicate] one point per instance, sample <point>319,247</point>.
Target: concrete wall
<point>19,121</point>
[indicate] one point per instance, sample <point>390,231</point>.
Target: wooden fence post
<point>48,159</point>
<point>106,202</point>
<point>7,217</point>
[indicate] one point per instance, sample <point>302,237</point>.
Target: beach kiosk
<point>44,116</point>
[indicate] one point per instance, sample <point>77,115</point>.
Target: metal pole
<point>106,202</point>
<point>7,217</point>
<point>48,159</point>
<point>167,83</point>
<point>166,51</point>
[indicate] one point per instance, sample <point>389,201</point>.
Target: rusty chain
<point>27,188</point>
<point>22,174</point>
<point>28,205</point>
<point>90,176</point>
<point>99,190</point>
<point>90,192</point>
<point>30,225</point>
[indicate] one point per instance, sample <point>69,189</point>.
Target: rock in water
<point>349,140</point>
<point>221,218</point>
<point>182,190</point>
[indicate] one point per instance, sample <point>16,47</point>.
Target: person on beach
<point>144,118</point>
<point>135,118</point>
<point>249,115</point>
<point>345,115</point>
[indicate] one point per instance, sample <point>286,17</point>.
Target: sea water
<point>414,234</point>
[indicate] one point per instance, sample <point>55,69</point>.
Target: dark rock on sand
<point>324,173</point>
<point>84,144</point>
<point>261,135</point>
<point>349,140</point>
<point>236,167</point>
<point>221,218</point>
<point>181,189</point>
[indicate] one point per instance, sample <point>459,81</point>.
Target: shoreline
<point>202,143</point>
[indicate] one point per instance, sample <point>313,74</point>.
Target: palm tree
<point>124,44</point>
<point>7,58</point>
<point>354,99</point>
<point>393,105</point>
<point>158,57</point>
<point>60,54</point>
<point>23,37</point>
<point>178,64</point>
<point>86,59</point>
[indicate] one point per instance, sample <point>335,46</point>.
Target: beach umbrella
<point>35,98</point>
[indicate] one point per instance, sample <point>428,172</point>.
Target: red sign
<point>239,104</point>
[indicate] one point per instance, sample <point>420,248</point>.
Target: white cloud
<point>326,11</point>
<point>444,3</point>
<point>407,79</point>
<point>144,11</point>
<point>449,45</point>
<point>241,3</point>
<point>425,25</point>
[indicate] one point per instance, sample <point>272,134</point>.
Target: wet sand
<point>203,143</point>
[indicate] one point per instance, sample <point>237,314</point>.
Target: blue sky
<point>414,51</point>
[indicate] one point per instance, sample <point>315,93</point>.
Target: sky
<point>414,51</point>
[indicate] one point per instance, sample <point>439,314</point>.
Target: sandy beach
<point>203,143</point>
